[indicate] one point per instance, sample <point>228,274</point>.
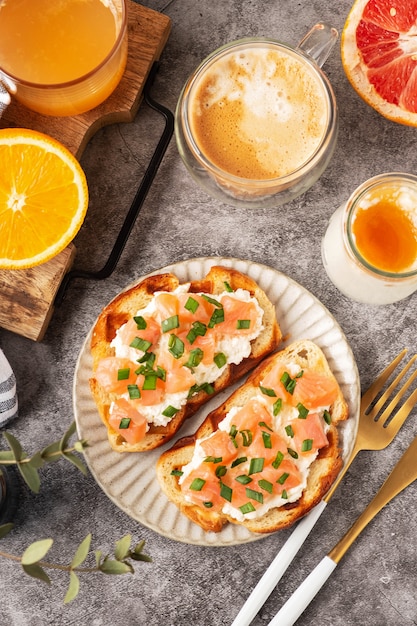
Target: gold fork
<point>376,429</point>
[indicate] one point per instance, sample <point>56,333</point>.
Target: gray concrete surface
<point>375,584</point>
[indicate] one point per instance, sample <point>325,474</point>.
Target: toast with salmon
<point>162,349</point>
<point>268,454</point>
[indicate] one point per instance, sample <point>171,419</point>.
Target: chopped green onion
<point>148,358</point>
<point>277,407</point>
<point>247,508</point>
<point>220,471</point>
<point>227,286</point>
<point>140,322</point>
<point>220,359</point>
<point>247,437</point>
<point>217,317</point>
<point>243,324</point>
<point>149,384</point>
<point>265,425</point>
<point>212,300</point>
<point>281,480</point>
<point>278,460</point>
<point>207,387</point>
<point>289,430</point>
<point>265,485</point>
<point>327,417</point>
<point>243,479</point>
<point>161,373</point>
<point>267,440</point>
<point>288,382</point>
<point>124,422</point>
<point>197,484</point>
<point>254,495</point>
<point>213,459</point>
<point>284,494</point>
<point>177,472</point>
<point>226,492</point>
<point>170,323</point>
<point>175,346</point>
<point>208,505</point>
<point>191,305</point>
<point>140,344</point>
<point>292,453</point>
<point>123,373</point>
<point>256,465</point>
<point>300,373</point>
<point>268,391</point>
<point>170,411</point>
<point>302,411</point>
<point>307,445</point>
<point>239,460</point>
<point>195,357</point>
<point>134,392</point>
<point>198,329</point>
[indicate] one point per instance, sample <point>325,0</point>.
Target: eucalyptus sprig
<point>32,558</point>
<point>29,466</point>
<point>33,564</point>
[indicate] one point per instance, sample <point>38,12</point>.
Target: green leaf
<point>14,446</point>
<point>140,557</point>
<point>75,460</point>
<point>36,551</point>
<point>115,567</point>
<point>36,460</point>
<point>73,588</point>
<point>67,436</point>
<point>30,476</point>
<point>123,547</point>
<point>82,552</point>
<point>7,455</point>
<point>36,571</point>
<point>5,529</point>
<point>50,453</point>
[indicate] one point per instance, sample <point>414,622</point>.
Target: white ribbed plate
<point>129,479</point>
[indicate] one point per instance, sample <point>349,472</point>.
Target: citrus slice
<point>43,198</point>
<point>379,56</point>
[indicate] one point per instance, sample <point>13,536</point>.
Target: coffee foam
<point>258,114</point>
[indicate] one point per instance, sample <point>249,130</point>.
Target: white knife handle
<point>304,594</point>
<point>278,567</point>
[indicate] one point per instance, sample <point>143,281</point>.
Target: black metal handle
<point>138,200</point>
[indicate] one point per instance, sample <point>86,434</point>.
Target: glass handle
<point>318,42</point>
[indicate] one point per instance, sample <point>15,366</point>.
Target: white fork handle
<point>304,594</point>
<point>278,567</point>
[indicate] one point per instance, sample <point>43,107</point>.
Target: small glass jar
<point>350,270</point>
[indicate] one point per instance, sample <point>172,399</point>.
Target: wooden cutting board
<point>27,296</point>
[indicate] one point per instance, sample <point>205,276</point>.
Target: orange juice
<point>46,44</point>
<point>386,235</point>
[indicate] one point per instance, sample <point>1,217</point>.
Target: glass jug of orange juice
<point>63,57</point>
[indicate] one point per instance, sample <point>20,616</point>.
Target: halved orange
<point>43,198</point>
<point>379,56</point>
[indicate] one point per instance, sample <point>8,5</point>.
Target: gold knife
<point>403,474</point>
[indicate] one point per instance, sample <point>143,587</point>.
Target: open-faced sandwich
<point>268,454</point>
<point>162,349</point>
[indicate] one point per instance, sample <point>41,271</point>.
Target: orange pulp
<point>54,42</point>
<point>386,236</point>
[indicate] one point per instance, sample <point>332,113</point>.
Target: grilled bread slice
<point>301,356</point>
<point>126,305</point>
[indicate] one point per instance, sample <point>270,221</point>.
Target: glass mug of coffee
<point>61,58</point>
<point>370,247</point>
<point>256,123</point>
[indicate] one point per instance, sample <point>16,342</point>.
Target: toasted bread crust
<point>129,302</point>
<point>323,471</point>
